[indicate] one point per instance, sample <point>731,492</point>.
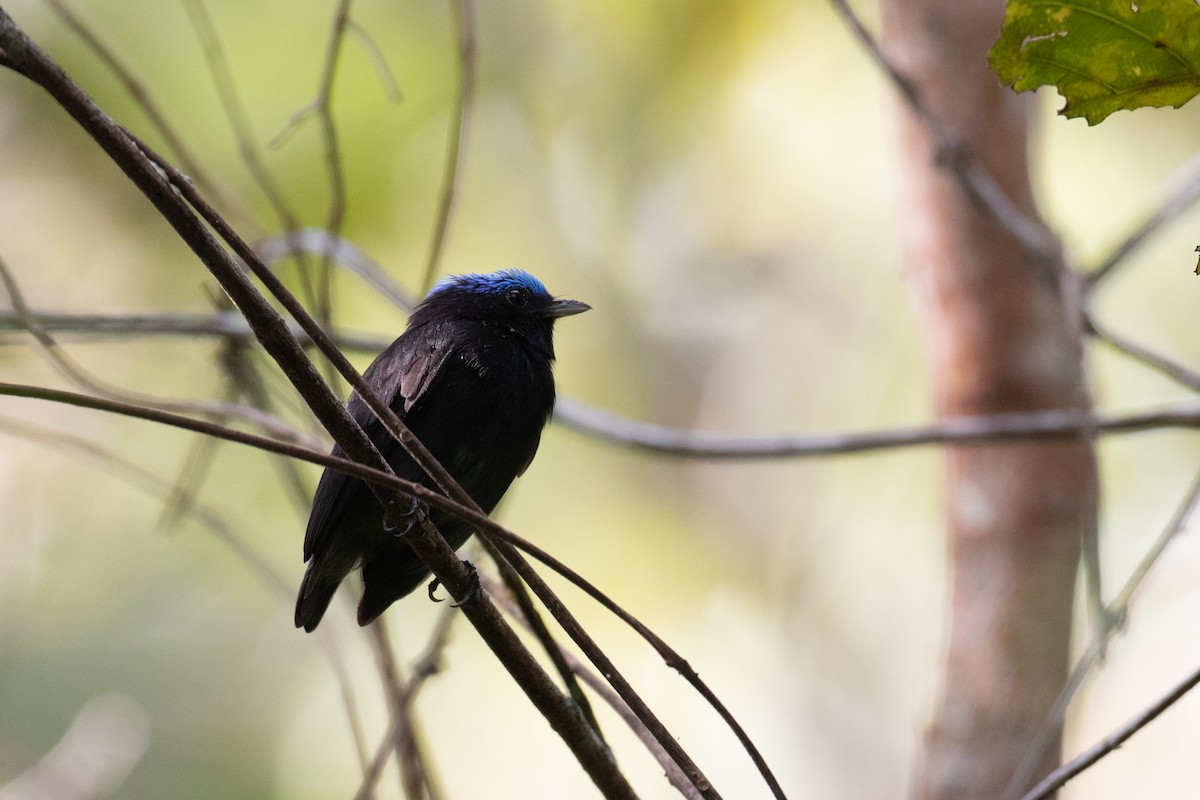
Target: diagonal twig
<point>1057,779</point>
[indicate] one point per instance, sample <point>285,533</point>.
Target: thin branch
<point>322,108</point>
<point>1057,779</point>
<point>464,28</point>
<point>1117,613</point>
<point>223,324</point>
<point>1032,234</point>
<point>387,78</point>
<point>1064,423</point>
<point>622,431</point>
<point>239,122</point>
<point>141,95</point>
<point>235,112</point>
<point>209,518</point>
<point>318,241</point>
<point>537,626</point>
<point>601,688</point>
<point>425,540</point>
<point>83,379</point>
<point>1183,197</point>
<point>409,759</point>
<point>163,186</point>
<point>425,667</point>
<point>1183,375</point>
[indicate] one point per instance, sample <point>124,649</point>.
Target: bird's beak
<point>562,307</point>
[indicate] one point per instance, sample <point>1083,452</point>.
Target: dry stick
<point>1055,780</point>
<point>464,29</point>
<point>623,431</point>
<point>153,484</point>
<point>141,95</point>
<point>536,625</point>
<point>1014,426</point>
<point>1184,197</point>
<point>390,88</point>
<point>237,359</point>
<point>420,454</point>
<point>1185,376</point>
<point>336,215</point>
<point>1118,611</point>
<point>317,241</point>
<point>425,667</point>
<point>17,49</point>
<point>600,687</point>
<point>322,108</point>
<point>1038,241</point>
<point>77,375</point>
<point>669,656</point>
<point>239,123</point>
<point>690,443</point>
<point>377,477</point>
<point>409,759</point>
<point>224,324</point>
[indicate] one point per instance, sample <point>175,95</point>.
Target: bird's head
<point>508,298</point>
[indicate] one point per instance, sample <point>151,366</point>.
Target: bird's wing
<point>418,364</point>
<point>401,374</point>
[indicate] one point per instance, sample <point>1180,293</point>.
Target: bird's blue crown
<point>497,282</point>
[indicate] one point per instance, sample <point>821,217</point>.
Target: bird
<point>471,376</point>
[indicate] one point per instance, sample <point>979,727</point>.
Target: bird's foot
<point>471,589</point>
<point>399,521</point>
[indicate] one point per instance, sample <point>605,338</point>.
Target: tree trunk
<point>1001,338</point>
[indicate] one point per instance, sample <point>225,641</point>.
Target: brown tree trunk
<point>1000,338</point>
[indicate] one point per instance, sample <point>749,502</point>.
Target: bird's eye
<point>518,297</point>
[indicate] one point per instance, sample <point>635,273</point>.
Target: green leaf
<point>1103,55</point>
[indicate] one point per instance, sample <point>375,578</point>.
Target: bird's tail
<point>314,598</point>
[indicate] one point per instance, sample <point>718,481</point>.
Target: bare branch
<point>319,241</point>
<point>464,27</point>
<point>1183,197</point>
<point>536,625</point>
<point>399,733</point>
<point>1035,238</point>
<point>1117,614</point>
<point>391,89</point>
<point>1057,779</point>
<point>236,112</point>
<point>1183,375</point>
<point>1064,423</point>
<point>141,95</point>
<point>600,687</point>
<point>85,380</point>
<point>224,324</point>
<point>151,176</point>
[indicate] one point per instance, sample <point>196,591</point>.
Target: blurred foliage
<point>717,179</point>
<point>1102,55</point>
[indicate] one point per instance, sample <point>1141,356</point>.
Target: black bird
<point>471,377</point>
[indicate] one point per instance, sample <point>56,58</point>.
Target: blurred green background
<point>718,180</point>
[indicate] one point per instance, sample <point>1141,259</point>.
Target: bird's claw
<point>408,515</point>
<point>471,589</point>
